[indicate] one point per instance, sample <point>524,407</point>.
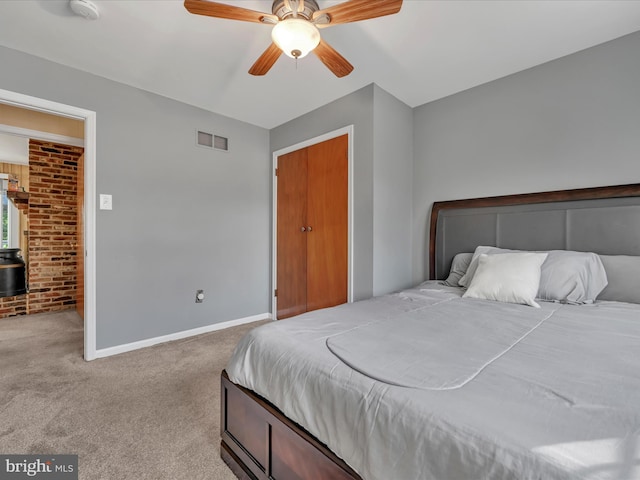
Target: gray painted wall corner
<point>392,193</point>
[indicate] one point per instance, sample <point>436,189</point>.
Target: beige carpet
<point>148,414</point>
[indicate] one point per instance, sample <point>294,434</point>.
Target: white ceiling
<point>429,50</point>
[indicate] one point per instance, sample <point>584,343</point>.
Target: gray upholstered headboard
<point>604,220</point>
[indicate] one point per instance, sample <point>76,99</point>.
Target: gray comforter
<point>424,384</point>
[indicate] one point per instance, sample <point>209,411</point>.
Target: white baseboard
<point>127,347</point>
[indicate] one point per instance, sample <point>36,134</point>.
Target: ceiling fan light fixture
<point>296,37</point>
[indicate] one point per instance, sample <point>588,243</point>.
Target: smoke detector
<point>85,9</point>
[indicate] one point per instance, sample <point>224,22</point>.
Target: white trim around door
<point>89,118</point>
<point>348,130</point>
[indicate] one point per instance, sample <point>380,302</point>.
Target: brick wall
<point>12,306</point>
<point>53,217</point>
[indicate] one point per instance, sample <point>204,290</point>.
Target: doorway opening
<point>87,249</point>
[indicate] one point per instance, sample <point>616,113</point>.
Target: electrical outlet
<point>199,296</point>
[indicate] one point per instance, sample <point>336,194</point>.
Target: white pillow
<point>459,267</point>
<point>566,276</point>
<point>572,277</point>
<point>465,281</point>
<point>509,277</point>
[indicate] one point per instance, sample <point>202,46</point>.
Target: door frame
<point>89,118</point>
<point>348,130</point>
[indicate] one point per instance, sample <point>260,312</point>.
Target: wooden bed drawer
<point>292,458</point>
<point>260,443</point>
<point>244,423</point>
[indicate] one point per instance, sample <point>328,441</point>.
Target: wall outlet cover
<point>199,296</point>
<point>106,202</point>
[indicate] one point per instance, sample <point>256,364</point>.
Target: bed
<point>431,382</point>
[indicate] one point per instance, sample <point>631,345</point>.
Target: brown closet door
<point>327,215</point>
<point>292,242</point>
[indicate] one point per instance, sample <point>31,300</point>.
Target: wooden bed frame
<point>260,442</point>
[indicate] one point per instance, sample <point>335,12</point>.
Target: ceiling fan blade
<point>266,60</point>
<point>356,10</point>
<point>222,10</point>
<point>332,59</point>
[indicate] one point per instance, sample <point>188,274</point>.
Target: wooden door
<point>292,241</point>
<point>327,217</point>
<point>312,226</point>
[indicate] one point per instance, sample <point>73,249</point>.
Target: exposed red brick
<point>53,170</point>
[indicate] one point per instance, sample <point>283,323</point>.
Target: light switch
<point>106,202</point>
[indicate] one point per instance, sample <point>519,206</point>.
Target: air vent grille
<point>220,143</point>
<point>205,139</point>
<point>209,140</point>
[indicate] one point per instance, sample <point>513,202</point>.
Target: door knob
<point>309,228</point>
<point>302,229</point>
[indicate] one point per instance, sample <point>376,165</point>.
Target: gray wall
<point>355,109</point>
<point>184,217</point>
<point>392,193</point>
<point>570,123</point>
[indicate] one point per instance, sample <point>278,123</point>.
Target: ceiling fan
<point>295,27</point>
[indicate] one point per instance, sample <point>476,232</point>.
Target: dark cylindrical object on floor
<point>12,273</point>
